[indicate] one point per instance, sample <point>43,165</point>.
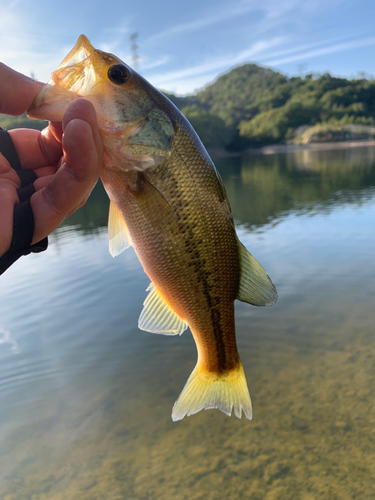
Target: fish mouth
<point>81,51</point>
<point>76,72</point>
<point>75,77</point>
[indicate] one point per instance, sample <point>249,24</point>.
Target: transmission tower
<point>134,49</point>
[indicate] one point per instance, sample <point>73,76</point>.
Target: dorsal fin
<point>158,317</point>
<point>256,287</point>
<point>118,233</point>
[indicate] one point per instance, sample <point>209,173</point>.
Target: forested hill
<point>253,106</point>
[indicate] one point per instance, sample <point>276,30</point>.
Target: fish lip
<point>76,72</point>
<point>76,65</point>
<point>82,46</point>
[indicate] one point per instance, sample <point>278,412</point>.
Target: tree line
<point>253,106</point>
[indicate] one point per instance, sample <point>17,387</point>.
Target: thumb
<point>78,174</point>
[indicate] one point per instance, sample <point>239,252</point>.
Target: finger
<point>76,178</point>
<point>35,148</point>
<point>56,130</point>
<point>86,112</point>
<point>8,173</point>
<point>45,172</point>
<point>8,198</point>
<point>17,91</point>
<point>38,149</point>
<point>42,182</point>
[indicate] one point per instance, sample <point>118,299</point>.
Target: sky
<point>185,45</point>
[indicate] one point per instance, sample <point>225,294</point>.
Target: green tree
<point>211,129</point>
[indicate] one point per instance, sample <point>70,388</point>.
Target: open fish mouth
<point>75,77</point>
<point>76,73</point>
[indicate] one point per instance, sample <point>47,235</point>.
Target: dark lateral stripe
<point>202,276</point>
<point>218,333</point>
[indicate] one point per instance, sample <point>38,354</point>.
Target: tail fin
<point>206,390</point>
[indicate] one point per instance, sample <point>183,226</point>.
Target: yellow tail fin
<point>206,390</point>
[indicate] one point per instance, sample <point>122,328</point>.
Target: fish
<point>168,201</point>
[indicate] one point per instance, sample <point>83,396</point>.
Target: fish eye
<point>118,74</point>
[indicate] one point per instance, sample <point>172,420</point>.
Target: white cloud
<point>20,48</point>
<point>203,21</point>
<point>186,85</point>
<point>172,79</point>
<point>330,49</point>
<point>270,16</point>
<point>115,37</point>
<point>6,339</point>
<point>190,79</point>
<point>273,31</point>
<point>272,13</point>
<point>147,64</point>
<point>300,48</point>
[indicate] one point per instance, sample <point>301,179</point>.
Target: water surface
<point>86,397</point>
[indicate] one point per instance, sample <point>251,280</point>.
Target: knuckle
<point>56,205</point>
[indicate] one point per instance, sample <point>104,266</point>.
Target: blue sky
<point>183,45</point>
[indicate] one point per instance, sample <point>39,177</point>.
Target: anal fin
<point>256,286</point>
<point>118,233</point>
<point>158,317</point>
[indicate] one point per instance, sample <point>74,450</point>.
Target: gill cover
<point>154,136</point>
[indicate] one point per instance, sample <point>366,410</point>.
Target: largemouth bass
<point>168,201</point>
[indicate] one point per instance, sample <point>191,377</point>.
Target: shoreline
<point>286,148</point>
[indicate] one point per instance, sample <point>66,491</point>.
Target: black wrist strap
<point>8,150</point>
<point>23,219</point>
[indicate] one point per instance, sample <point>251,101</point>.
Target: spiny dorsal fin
<point>118,233</point>
<point>158,317</point>
<point>256,287</point>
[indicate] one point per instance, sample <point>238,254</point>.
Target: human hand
<point>66,158</point>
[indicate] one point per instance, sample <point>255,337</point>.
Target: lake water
<point>86,397</point>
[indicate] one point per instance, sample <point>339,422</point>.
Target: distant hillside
<point>254,106</point>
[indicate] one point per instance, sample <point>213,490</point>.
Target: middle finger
<point>36,149</point>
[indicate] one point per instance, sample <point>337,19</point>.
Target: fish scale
<point>204,297</point>
<point>168,201</point>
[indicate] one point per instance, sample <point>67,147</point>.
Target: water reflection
<point>93,215</point>
<point>261,188</point>
<point>85,397</point>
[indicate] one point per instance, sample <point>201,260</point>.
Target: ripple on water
<point>86,397</point>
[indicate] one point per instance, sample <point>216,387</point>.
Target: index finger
<point>76,177</point>
<point>17,91</point>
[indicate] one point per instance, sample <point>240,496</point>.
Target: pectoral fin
<point>158,317</point>
<point>256,287</point>
<point>118,233</point>
<point>149,198</point>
